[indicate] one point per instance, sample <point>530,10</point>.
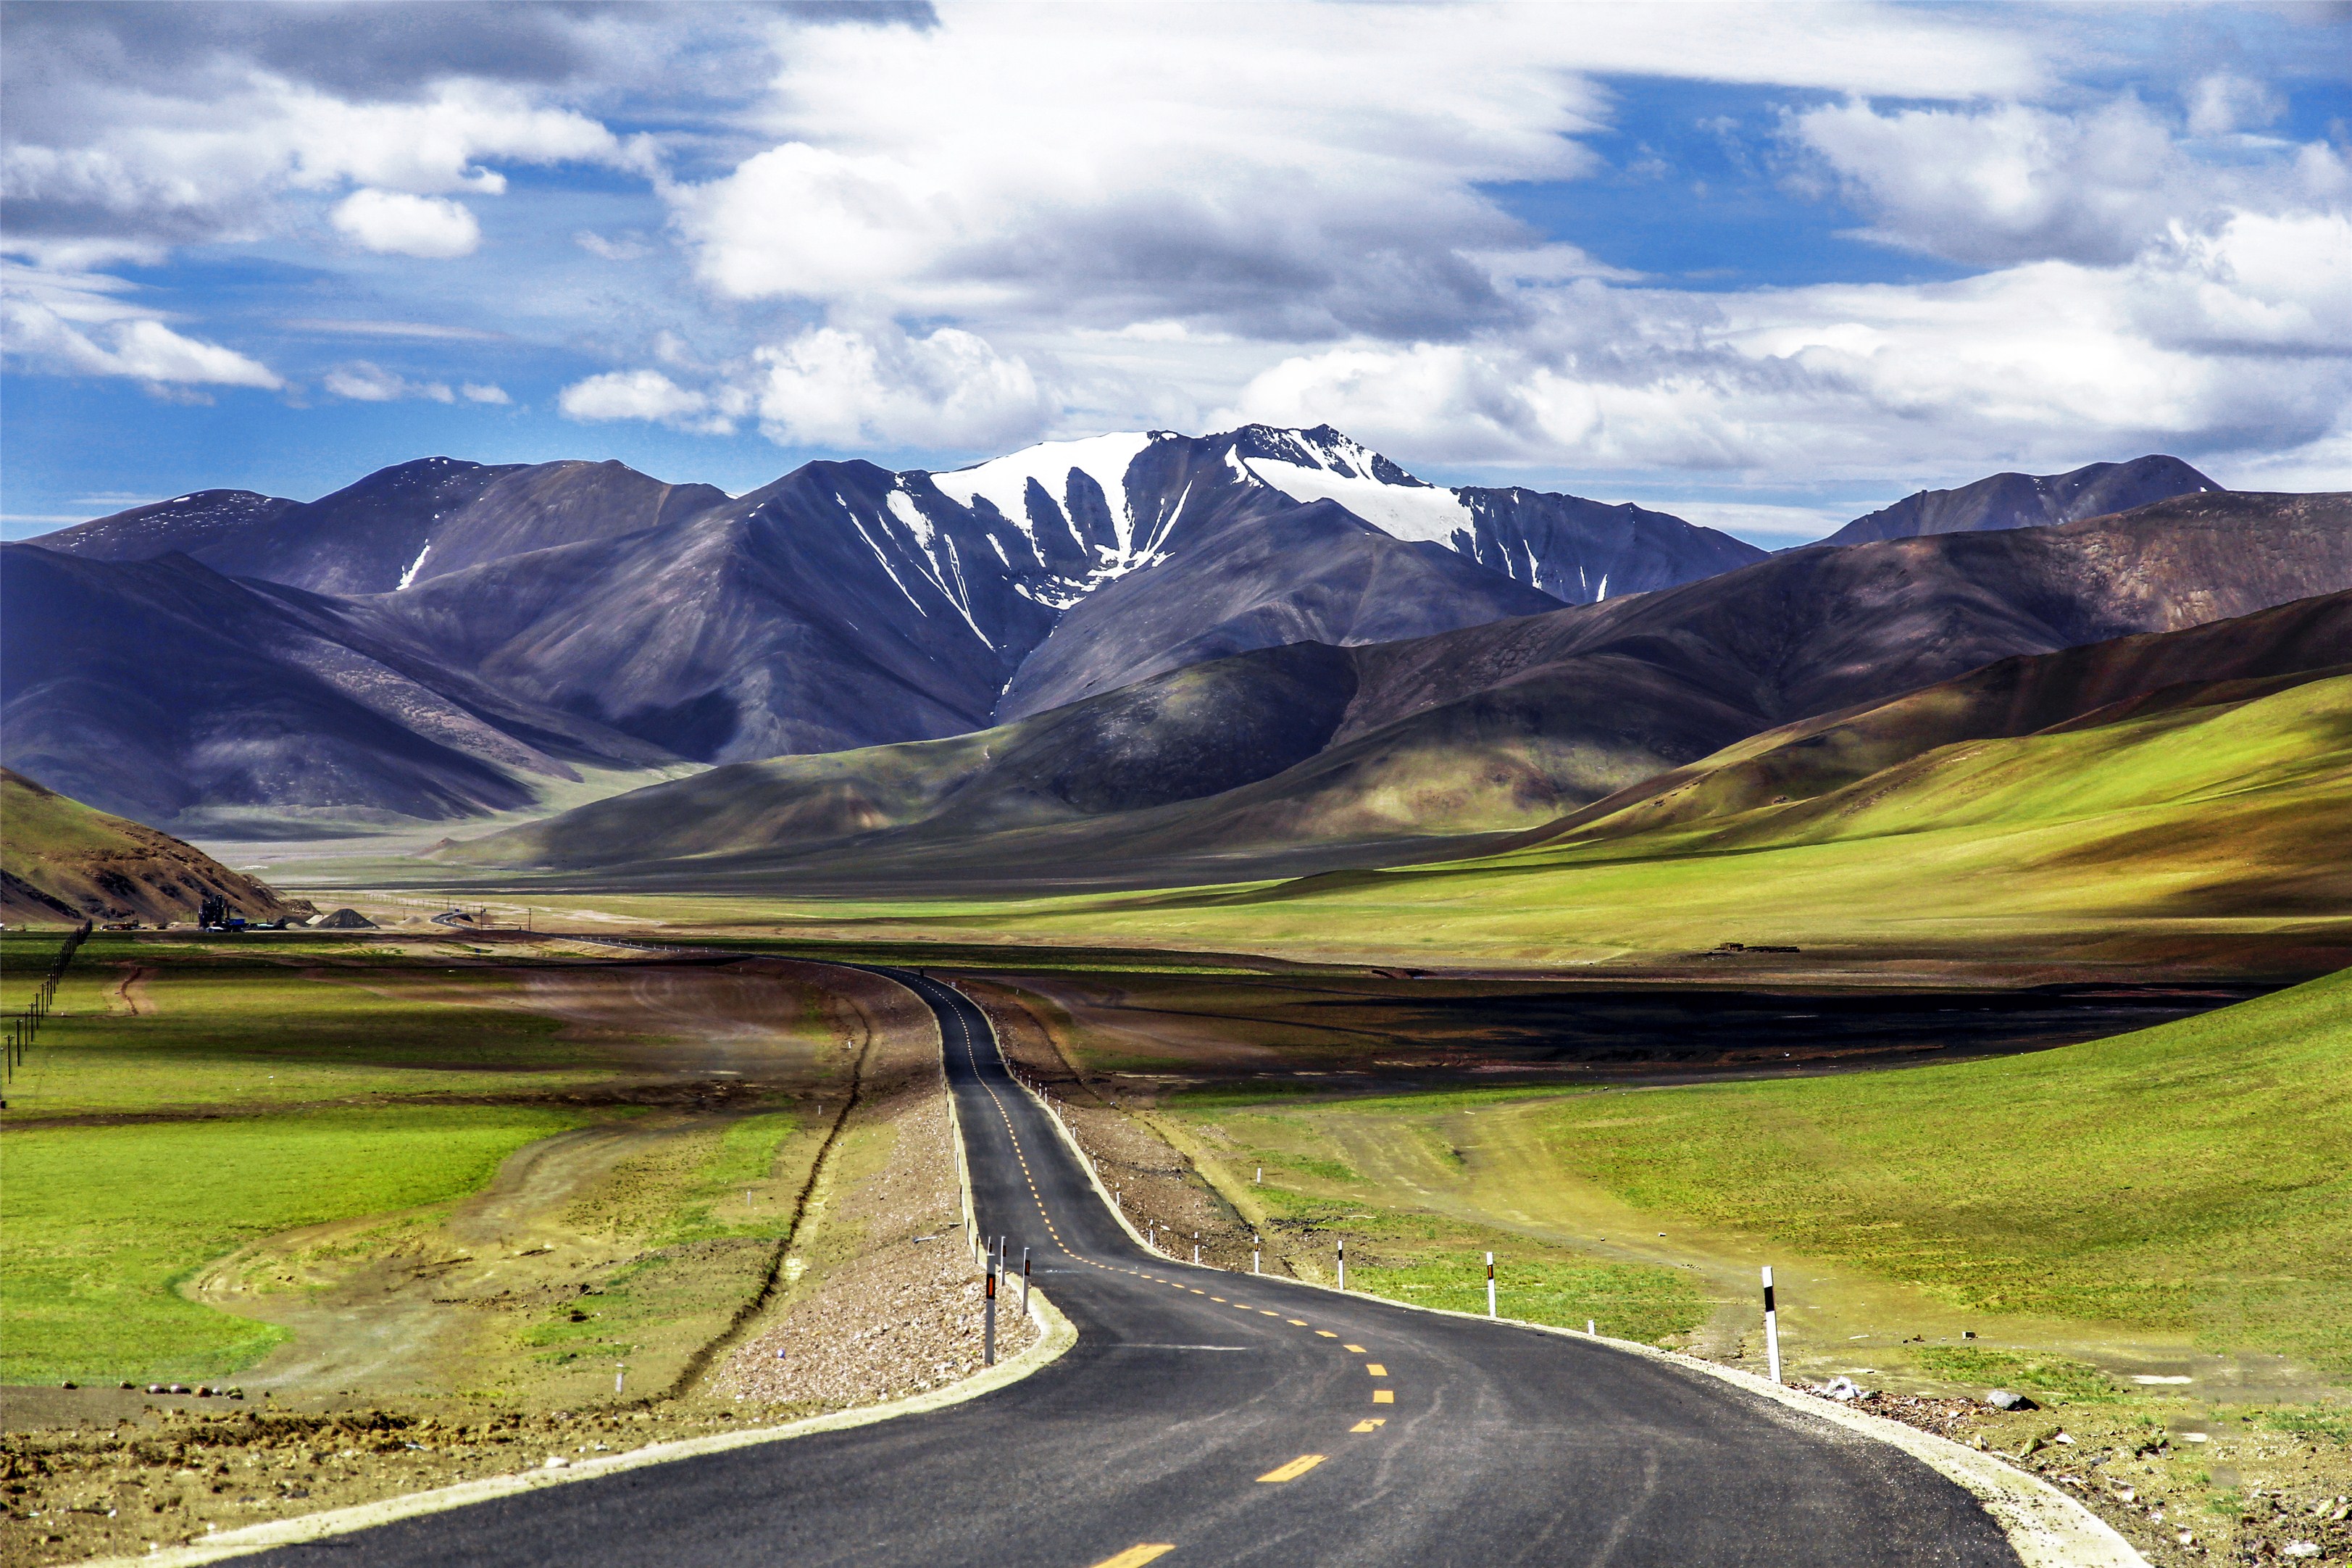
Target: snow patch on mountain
<point>1003,482</point>
<point>1409,512</point>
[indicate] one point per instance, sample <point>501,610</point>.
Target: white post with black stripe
<point>1771,1327</point>
<point>988,1322</point>
<point>1490,1284</point>
<point>1343,1263</point>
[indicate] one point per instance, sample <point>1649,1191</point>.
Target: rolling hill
<point>62,860</point>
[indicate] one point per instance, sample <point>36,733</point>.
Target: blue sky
<point>1768,266</point>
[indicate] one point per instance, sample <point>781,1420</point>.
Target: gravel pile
<point>896,1310</point>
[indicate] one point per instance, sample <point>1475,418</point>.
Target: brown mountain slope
<point>60,859</point>
<point>1492,729</point>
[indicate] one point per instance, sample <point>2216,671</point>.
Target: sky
<point>1766,267</point>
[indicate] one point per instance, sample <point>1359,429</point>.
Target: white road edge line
<point>2046,1528</point>
<point>1055,1334</point>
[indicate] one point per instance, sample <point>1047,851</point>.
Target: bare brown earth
<point>887,1302</point>
<point>432,1348</point>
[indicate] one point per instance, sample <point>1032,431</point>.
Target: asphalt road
<point>1211,1418</point>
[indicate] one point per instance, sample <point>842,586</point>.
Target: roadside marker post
<point>1025,1281</point>
<point>1590,1328</point>
<point>988,1324</point>
<point>616,1378</point>
<point>1771,1327</point>
<point>1490,1284</point>
<point>1343,1263</point>
<point>1196,1248</point>
<point>1254,1249</point>
<point>1260,1180</point>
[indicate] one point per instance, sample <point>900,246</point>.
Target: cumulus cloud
<point>2011,183</point>
<point>2222,103</point>
<point>886,388</point>
<point>396,224</point>
<point>484,392</point>
<point>2229,341</point>
<point>363,382</point>
<point>841,387</point>
<point>1283,173</point>
<point>646,395</point>
<point>2006,184</point>
<point>87,325</point>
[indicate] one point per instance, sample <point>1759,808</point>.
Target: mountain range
<point>1279,760</point>
<point>446,639</point>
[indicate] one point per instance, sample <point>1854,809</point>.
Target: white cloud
<point>1290,172</point>
<point>362,381</point>
<point>885,388</point>
<point>2011,183</point>
<point>396,224</point>
<point>868,387</point>
<point>634,394</point>
<point>85,324</point>
<point>2222,103</point>
<point>2006,184</point>
<point>624,249</point>
<point>2231,341</point>
<point>480,392</point>
<point>162,169</point>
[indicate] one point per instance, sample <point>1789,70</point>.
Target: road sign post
<point>1771,1327</point>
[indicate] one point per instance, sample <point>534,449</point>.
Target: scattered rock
<point>1843,1389</point>
<point>2002,1399</point>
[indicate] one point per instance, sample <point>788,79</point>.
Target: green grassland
<point>2129,836</point>
<point>2189,1177</point>
<point>147,1025</point>
<point>2211,837</point>
<point>25,959</point>
<point>101,1223</point>
<point>192,1099</point>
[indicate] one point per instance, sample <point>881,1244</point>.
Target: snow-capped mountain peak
<point>1324,464</point>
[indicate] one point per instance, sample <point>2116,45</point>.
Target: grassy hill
<point>62,860</point>
<point>2160,829</point>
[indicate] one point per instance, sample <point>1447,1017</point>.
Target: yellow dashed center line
<point>1369,1424</point>
<point>1293,1470</point>
<point>1384,1397</point>
<point>1137,1555</point>
<point>1358,1349</point>
<point>1376,1369</point>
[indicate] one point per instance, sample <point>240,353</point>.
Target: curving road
<point>1206,1417</point>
